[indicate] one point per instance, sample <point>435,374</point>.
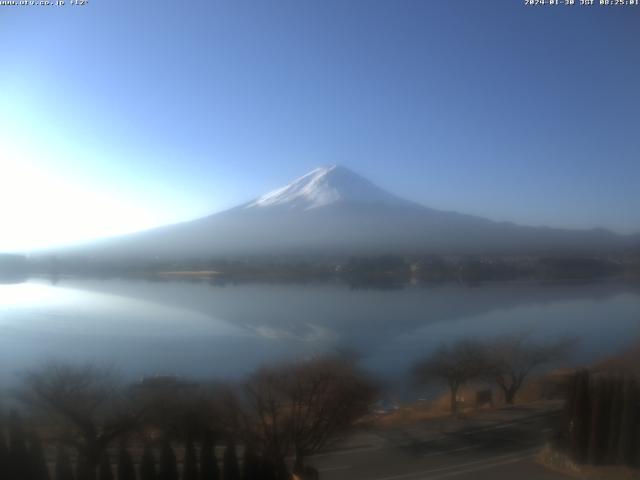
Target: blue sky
<point>118,115</point>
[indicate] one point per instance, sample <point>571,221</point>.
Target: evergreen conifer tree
<point>126,469</point>
<point>268,470</point>
<point>598,426</point>
<point>148,465</point>
<point>579,427</point>
<point>83,471</point>
<point>190,467</point>
<point>18,464</point>
<point>63,469</point>
<point>4,452</point>
<point>37,460</point>
<point>615,416</point>
<point>627,442</point>
<point>569,406</point>
<point>209,469</point>
<point>105,471</point>
<point>230,468</point>
<point>251,465</point>
<point>168,464</point>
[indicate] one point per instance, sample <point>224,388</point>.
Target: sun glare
<point>41,208</point>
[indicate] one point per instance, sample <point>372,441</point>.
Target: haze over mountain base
<point>332,210</point>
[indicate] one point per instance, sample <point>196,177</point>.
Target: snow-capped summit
<point>325,186</point>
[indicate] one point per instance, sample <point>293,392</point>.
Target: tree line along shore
<point>356,270</point>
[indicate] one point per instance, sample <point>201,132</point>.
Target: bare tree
<point>181,409</point>
<point>454,365</point>
<point>263,416</point>
<point>510,360</point>
<point>327,396</point>
<point>301,408</point>
<point>85,406</point>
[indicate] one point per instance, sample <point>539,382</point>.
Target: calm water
<point>197,329</point>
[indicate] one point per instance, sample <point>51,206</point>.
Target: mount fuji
<point>332,210</point>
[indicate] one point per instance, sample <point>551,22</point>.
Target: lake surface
<point>201,330</point>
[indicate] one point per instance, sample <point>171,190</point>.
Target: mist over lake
<point>196,329</point>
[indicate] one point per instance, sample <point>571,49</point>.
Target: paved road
<point>501,450</point>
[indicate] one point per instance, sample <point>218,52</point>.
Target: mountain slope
<point>332,210</point>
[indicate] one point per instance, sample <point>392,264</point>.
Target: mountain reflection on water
<point>198,329</point>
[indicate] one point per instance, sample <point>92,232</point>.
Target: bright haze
<point>333,210</point>
<point>120,116</point>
